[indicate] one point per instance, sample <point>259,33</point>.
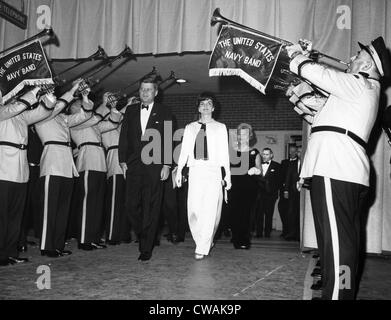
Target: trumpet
<point>45,32</point>
<point>100,53</point>
<point>314,54</point>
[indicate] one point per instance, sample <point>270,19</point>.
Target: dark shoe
<point>318,264</point>
<point>15,260</point>
<point>317,286</point>
<point>316,272</point>
<point>22,248</point>
<point>180,239</point>
<point>145,256</point>
<point>64,252</point>
<point>126,241</point>
<point>113,243</point>
<point>31,243</point>
<point>4,263</point>
<point>98,245</point>
<point>258,235</point>
<point>51,253</point>
<point>85,246</point>
<point>227,233</point>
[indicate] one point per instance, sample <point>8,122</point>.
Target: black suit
<point>282,202</point>
<point>143,185</point>
<point>267,196</point>
<point>293,212</point>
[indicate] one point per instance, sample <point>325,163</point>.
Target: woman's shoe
<point>198,256</point>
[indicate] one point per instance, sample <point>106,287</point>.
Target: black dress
<point>242,197</point>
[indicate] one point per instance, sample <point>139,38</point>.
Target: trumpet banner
<point>27,65</point>
<point>259,59</point>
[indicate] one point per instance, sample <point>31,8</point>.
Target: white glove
<point>227,182</point>
<point>178,178</point>
<point>295,48</point>
<point>253,171</point>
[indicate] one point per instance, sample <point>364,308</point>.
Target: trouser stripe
<point>334,235</point>
<point>84,217</point>
<point>112,207</point>
<point>45,213</point>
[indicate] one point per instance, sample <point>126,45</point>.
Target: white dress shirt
<point>144,116</point>
<point>265,167</point>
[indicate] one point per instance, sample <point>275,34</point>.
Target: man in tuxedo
<point>145,163</point>
<point>292,195</point>
<point>269,182</point>
<point>283,203</point>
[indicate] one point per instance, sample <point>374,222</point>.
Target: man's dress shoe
<point>98,245</point>
<point>316,272</point>
<point>64,252</point>
<point>85,246</point>
<point>31,243</point>
<point>145,256</point>
<point>51,253</point>
<point>318,264</point>
<point>317,286</point>
<point>4,262</point>
<point>22,248</point>
<point>15,260</point>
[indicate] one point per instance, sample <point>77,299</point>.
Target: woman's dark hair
<point>209,95</point>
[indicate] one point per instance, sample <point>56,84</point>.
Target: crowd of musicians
<point>74,169</point>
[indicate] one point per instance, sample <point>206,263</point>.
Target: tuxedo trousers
<point>12,200</point>
<point>204,203</point>
<point>264,214</point>
<point>54,204</point>
<point>117,222</point>
<point>337,207</point>
<point>144,191</point>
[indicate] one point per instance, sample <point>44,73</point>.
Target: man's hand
<point>124,168</point>
<point>164,173</point>
<point>132,100</point>
<point>75,85</point>
<point>299,184</point>
<point>303,47</point>
<point>49,100</point>
<point>286,195</point>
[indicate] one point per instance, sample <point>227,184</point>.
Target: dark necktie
<point>201,144</point>
<point>144,106</point>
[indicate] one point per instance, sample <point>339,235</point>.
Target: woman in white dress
<point>205,150</point>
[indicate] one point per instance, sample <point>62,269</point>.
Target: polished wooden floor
<point>273,269</point>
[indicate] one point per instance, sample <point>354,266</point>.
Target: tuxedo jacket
<point>132,141</point>
<point>292,177</point>
<point>270,183</point>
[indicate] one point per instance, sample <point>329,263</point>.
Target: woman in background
<point>245,162</point>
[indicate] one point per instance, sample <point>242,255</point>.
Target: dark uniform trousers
<point>337,207</point>
<point>117,226</point>
<point>12,201</point>
<point>30,218</point>
<point>144,191</point>
<point>89,197</point>
<point>55,202</point>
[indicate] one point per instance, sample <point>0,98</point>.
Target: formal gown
<point>242,197</point>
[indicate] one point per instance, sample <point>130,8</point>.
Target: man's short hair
<point>268,149</point>
<point>150,79</point>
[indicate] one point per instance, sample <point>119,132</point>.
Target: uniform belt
<point>15,145</point>
<point>97,144</point>
<point>59,143</point>
<point>352,135</point>
<point>112,148</point>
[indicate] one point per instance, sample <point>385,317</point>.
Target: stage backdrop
<point>175,26</point>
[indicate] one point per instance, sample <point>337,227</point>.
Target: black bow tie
<point>144,106</point>
<point>265,162</point>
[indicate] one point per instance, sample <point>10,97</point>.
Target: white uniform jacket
<point>92,157</point>
<point>110,141</point>
<point>13,161</point>
<point>352,105</point>
<point>217,139</point>
<point>57,159</point>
